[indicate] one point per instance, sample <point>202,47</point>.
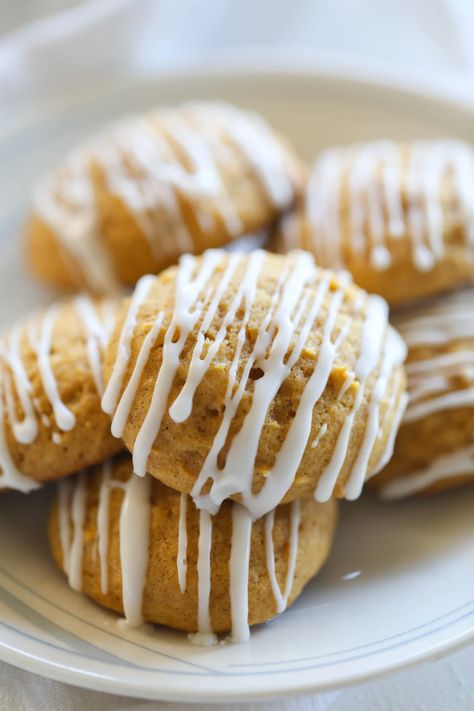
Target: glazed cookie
<point>141,549</point>
<point>399,217</point>
<point>155,186</point>
<point>434,449</point>
<point>51,423</point>
<point>255,376</point>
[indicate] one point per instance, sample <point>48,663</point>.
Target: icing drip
<point>103,523</point>
<point>150,162</point>
<point>239,572</point>
<point>374,176</point>
<point>204,636</point>
<point>112,391</point>
<point>96,333</point>
<point>386,455</point>
<point>15,381</point>
<point>458,463</point>
<point>182,558</point>
<point>276,349</point>
<point>319,436</point>
<point>72,512</point>
<point>42,345</point>
<point>281,598</point>
<point>134,545</point>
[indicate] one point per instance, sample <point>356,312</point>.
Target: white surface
<point>412,598</point>
<point>431,39</point>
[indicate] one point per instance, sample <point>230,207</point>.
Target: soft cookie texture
<point>51,422</point>
<point>399,217</point>
<point>133,548</point>
<point>259,377</point>
<point>155,186</point>
<point>434,449</point>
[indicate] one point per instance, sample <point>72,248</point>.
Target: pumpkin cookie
<point>434,449</point>
<point>51,423</point>
<point>155,186</point>
<point>399,217</point>
<point>137,547</point>
<point>259,377</point>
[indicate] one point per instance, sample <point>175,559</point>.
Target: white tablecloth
<point>42,51</point>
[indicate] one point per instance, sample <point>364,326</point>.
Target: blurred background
<point>48,46</point>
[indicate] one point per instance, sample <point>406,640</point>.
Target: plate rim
<point>256,66</point>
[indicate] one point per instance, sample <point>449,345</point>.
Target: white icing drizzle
<point>149,162</point>
<point>374,176</point>
<point>134,546</point>
<point>239,572</point>
<point>281,598</point>
<point>443,381</point>
<point>97,322</point>
<point>322,431</point>
<point>204,636</point>
<point>285,329</point>
<point>387,453</point>
<point>26,430</point>
<point>103,523</point>
<point>182,557</point>
<point>42,345</point>
<point>447,466</point>
<point>112,391</point>
<point>433,383</point>
<point>96,333</point>
<point>72,512</point>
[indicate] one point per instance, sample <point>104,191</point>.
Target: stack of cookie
<point>400,217</point>
<point>248,391</point>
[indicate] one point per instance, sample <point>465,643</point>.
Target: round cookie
<point>137,547</point>
<point>399,217</point>
<point>155,186</point>
<point>255,376</point>
<point>434,449</point>
<point>51,422</point>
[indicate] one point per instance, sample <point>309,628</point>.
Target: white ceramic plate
<point>399,586</point>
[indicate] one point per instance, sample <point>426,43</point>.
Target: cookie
<point>257,376</point>
<point>51,422</point>
<point>399,217</point>
<point>434,449</point>
<point>155,186</point>
<point>141,549</point>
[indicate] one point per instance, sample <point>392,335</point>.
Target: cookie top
<point>51,423</point>
<point>255,376</point>
<point>399,217</point>
<point>145,551</point>
<point>435,446</point>
<point>155,186</point>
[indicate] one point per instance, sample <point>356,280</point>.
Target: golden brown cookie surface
<point>155,186</point>
<point>256,376</point>
<point>135,549</point>
<point>51,423</point>
<point>434,449</point>
<point>399,217</point>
